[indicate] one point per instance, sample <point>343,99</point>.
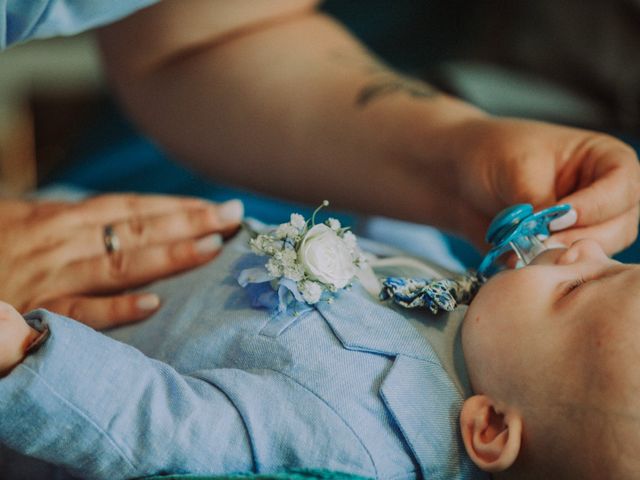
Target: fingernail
<point>150,301</point>
<point>231,211</point>
<point>209,244</point>
<point>567,220</point>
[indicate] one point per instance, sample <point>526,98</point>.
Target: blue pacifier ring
<point>515,222</point>
<point>507,219</point>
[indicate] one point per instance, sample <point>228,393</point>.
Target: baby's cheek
<point>503,304</point>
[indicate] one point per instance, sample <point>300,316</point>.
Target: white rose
<point>326,258</point>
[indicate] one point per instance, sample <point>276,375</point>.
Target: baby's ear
<point>492,437</point>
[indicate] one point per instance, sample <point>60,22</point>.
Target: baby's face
<point>562,334</point>
<point>556,315</point>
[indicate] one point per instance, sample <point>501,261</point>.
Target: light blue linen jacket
<point>22,20</point>
<point>211,385</point>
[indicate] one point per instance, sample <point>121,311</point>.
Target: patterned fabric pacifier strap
<point>442,294</point>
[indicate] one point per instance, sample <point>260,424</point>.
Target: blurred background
<point>575,62</point>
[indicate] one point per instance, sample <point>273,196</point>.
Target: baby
<point>215,386</point>
<point>552,351</point>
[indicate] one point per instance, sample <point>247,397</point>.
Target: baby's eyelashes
<point>572,285</point>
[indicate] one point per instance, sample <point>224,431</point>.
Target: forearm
<point>296,107</point>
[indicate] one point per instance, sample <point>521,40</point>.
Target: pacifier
<point>518,229</point>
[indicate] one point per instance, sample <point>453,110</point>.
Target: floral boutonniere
<point>307,263</point>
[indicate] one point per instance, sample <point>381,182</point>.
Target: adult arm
<point>275,96</point>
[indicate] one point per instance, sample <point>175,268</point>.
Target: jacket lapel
<point>363,323</point>
<point>426,405</point>
<point>417,391</point>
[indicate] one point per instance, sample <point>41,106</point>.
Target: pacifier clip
<point>516,228</point>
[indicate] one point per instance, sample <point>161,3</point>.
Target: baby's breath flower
<point>287,257</point>
<point>298,222</point>
<point>311,291</point>
<point>275,267</point>
<point>265,245</point>
<point>286,230</point>
<point>294,272</point>
<point>334,224</point>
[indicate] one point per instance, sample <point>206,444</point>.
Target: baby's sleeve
<point>102,409</point>
<point>21,21</point>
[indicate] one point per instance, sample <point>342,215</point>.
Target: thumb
<point>607,197</point>
<point>607,183</point>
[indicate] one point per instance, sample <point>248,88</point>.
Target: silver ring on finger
<point>111,239</point>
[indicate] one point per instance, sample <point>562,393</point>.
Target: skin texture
<point>54,255</point>
<point>551,350</point>
<point>275,96</point>
<point>15,338</point>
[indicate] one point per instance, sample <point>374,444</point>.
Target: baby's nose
<point>549,256</point>
<point>583,250</point>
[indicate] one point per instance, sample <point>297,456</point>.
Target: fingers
<point>132,268</point>
<point>613,235</point>
<point>106,312</point>
<point>139,232</point>
<point>118,207</point>
<point>143,232</point>
<point>609,185</point>
<point>66,223</point>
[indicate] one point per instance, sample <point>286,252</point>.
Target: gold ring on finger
<point>111,239</point>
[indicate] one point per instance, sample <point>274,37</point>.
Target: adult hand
<point>501,162</point>
<point>54,253</point>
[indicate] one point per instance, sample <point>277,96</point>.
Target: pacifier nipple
<point>520,230</point>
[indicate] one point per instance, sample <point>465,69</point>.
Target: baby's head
<point>553,355</point>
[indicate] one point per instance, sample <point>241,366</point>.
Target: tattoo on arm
<point>393,84</point>
<point>384,81</point>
